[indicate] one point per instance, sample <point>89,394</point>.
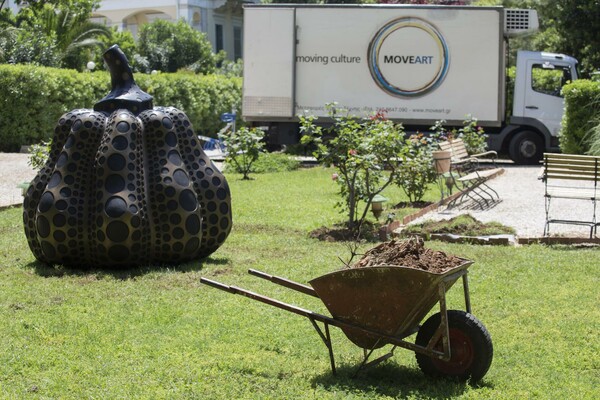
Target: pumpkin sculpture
<point>126,184</point>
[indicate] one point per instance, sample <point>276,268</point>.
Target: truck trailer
<point>417,64</point>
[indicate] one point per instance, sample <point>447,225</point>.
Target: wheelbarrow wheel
<point>470,346</point>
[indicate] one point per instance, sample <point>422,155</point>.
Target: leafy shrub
<point>593,138</point>
<point>243,148</point>
<point>38,154</point>
<point>416,171</point>
<point>32,99</point>
<point>582,107</point>
<point>360,150</point>
<point>473,136</point>
<point>511,73</point>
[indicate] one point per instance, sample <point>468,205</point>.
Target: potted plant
<point>442,160</point>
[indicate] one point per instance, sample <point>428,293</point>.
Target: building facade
<point>220,20</point>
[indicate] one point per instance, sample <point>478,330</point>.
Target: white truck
<point>418,64</point>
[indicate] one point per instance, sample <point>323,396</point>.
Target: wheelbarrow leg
<point>326,338</point>
<point>444,319</point>
<point>467,296</point>
<point>367,353</point>
<point>442,331</point>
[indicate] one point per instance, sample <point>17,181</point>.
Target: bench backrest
<point>457,147</point>
<point>571,166</point>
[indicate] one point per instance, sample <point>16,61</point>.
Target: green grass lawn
<point>156,333</point>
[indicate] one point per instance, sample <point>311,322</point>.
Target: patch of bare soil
<point>409,253</point>
<point>341,233</point>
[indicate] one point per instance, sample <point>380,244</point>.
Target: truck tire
<point>526,147</point>
<point>470,347</point>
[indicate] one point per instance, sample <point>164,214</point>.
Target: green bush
<point>269,163</point>
<point>32,99</point>
<point>594,139</point>
<point>243,149</point>
<point>511,73</point>
<point>275,162</point>
<point>203,98</point>
<point>582,107</point>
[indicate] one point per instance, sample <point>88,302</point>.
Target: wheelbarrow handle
<point>266,300</point>
<point>218,285</point>
<point>284,282</point>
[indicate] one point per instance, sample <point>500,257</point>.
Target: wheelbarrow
<point>384,305</point>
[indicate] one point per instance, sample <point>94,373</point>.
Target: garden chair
<point>467,175</point>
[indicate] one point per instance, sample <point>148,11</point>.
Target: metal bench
<point>571,176</point>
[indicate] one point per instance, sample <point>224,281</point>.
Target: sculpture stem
<point>124,94</point>
<point>118,66</point>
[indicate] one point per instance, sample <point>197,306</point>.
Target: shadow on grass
<point>393,380</point>
<point>47,270</point>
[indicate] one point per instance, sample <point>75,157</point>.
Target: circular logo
<point>408,57</point>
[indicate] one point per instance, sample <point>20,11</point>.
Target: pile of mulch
<point>413,204</point>
<point>464,225</point>
<point>409,253</point>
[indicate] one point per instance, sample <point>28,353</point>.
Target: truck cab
<point>538,105</point>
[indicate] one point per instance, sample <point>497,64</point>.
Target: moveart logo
<point>408,57</point>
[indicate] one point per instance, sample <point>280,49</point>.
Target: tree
<point>169,46</point>
<point>22,46</point>
<point>566,26</point>
<point>52,32</point>
<point>124,39</point>
<point>578,25</point>
<point>75,35</point>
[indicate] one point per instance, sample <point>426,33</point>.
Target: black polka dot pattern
<point>122,190</point>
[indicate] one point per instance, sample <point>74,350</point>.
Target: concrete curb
<point>2,208</point>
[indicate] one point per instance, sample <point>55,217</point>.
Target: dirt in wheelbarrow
<point>409,253</point>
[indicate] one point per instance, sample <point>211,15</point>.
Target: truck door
<point>543,98</point>
<point>269,63</point>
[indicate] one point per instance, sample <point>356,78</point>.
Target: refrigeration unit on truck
<point>418,64</point>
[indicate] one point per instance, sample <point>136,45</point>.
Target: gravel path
<point>522,207</point>
<point>13,171</point>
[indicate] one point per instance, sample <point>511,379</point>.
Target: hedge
<point>582,109</point>
<point>32,99</point>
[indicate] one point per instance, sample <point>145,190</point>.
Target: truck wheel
<point>526,147</point>
<point>470,346</point>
